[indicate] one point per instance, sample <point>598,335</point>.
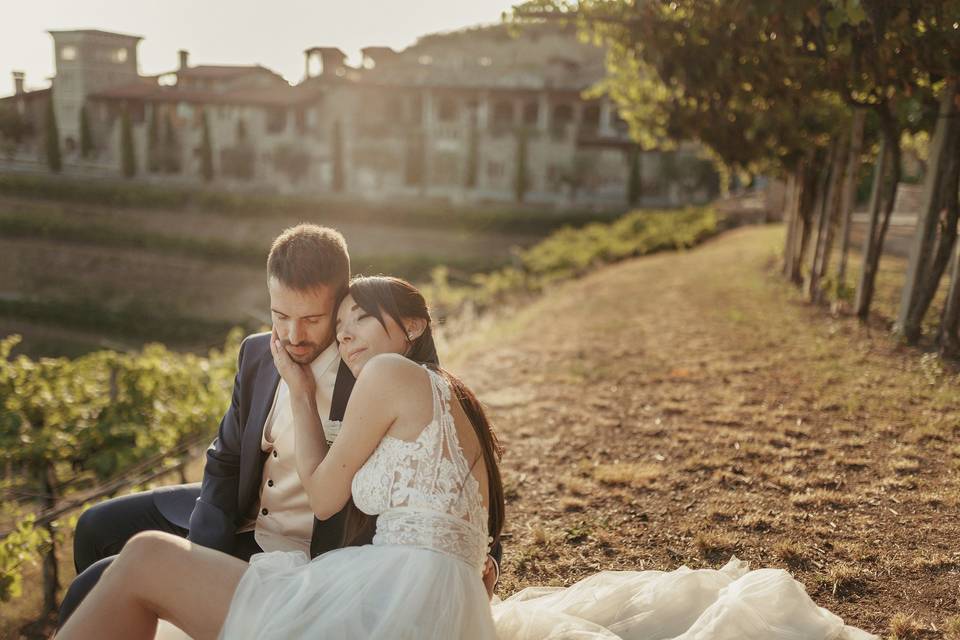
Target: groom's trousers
<point>103,529</point>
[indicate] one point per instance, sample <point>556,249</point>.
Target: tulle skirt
<point>730,604</point>
<point>374,591</point>
<point>410,593</point>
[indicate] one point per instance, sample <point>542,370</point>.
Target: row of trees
<point>806,90</point>
<point>69,426</point>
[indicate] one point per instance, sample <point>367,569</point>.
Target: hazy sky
<point>273,33</point>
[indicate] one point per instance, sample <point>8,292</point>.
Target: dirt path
<point>681,407</point>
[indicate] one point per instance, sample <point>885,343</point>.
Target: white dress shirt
<point>283,520</point>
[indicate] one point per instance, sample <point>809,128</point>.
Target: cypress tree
<point>633,179</point>
<point>171,150</point>
<point>86,138</point>
<point>153,142</point>
<point>127,154</point>
<point>473,155</point>
<point>53,140</point>
<point>338,168</point>
<point>206,149</point>
<point>521,181</point>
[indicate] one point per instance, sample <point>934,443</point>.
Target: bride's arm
<point>327,472</point>
<point>370,413</point>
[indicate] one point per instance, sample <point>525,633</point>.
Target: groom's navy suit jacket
<point>233,473</point>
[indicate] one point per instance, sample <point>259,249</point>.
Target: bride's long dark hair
<point>400,300</point>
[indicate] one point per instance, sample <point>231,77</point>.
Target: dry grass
<point>821,499</point>
<point>714,547</point>
<point>905,627</point>
<point>951,628</point>
<point>792,554</point>
<point>629,474</point>
<point>844,580</point>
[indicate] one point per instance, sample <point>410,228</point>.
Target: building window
<point>494,170</point>
<point>447,110</point>
<point>502,115</point>
<point>562,116</point>
<point>68,53</point>
<point>119,55</point>
<point>531,112</point>
<point>276,120</point>
<point>591,116</point>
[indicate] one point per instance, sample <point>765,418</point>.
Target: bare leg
<point>158,575</point>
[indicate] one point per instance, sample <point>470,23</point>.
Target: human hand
<point>490,576</point>
<point>299,377</point>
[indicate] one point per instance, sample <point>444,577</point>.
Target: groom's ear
<point>415,327</point>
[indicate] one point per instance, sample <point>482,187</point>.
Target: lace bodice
<point>423,490</point>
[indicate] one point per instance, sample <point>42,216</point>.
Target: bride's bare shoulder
<point>395,370</point>
<point>393,380</point>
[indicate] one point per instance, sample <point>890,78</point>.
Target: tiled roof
<point>262,96</point>
<point>222,71</point>
<point>95,32</point>
<point>36,94</point>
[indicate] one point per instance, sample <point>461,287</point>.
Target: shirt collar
<point>323,362</point>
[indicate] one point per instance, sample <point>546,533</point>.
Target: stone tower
<point>88,61</point>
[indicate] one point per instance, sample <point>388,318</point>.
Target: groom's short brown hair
<point>307,256</point>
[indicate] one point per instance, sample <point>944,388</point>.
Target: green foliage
<point>128,155</point>
<point>206,148</point>
<point>133,322</point>
<point>52,134</point>
<point>19,548</point>
<point>67,228</point>
<point>573,252</point>
<point>98,415</point>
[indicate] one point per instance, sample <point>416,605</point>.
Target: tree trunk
<point>882,200</point>
<point>790,218</point>
<point>949,337</point>
<point>51,579</point>
<point>806,204</point>
<point>828,222</point>
<point>819,215</point>
<point>936,229</point>
<point>850,192</point>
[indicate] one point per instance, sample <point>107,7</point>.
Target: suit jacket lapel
<point>268,378</point>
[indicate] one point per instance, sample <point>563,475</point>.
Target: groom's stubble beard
<point>315,350</point>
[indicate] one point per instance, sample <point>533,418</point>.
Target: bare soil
<point>684,407</point>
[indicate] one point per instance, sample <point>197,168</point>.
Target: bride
<point>416,449</point>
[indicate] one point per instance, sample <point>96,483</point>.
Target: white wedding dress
<point>420,579</point>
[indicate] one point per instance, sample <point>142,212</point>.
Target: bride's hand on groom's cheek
<point>299,377</point>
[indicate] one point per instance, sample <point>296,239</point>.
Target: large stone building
<point>470,116</point>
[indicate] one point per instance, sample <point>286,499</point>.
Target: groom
<point>251,499</point>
